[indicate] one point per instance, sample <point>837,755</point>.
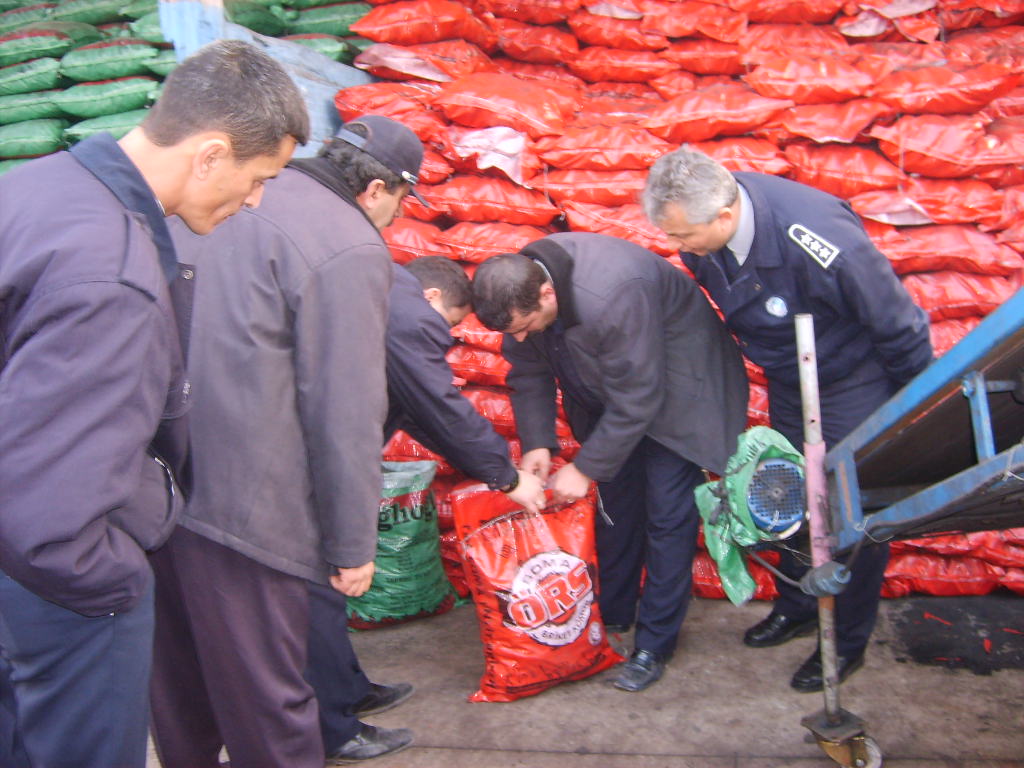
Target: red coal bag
<point>603,148</point>
<point>397,98</point>
<point>409,22</point>
<point>625,221</point>
<point>744,153</point>
<point>808,79</point>
<point>599,187</point>
<point>497,151</point>
<point>624,34</point>
<point>540,45</point>
<point>946,295</point>
<point>763,41</point>
<point>473,332</point>
<point>534,583</point>
<point>596,63</point>
<point>435,62</point>
<point>944,88</point>
<point>842,170</point>
<point>788,11</point>
<point>403,447</point>
<point>945,334</point>
<point>478,366</point>
<point>533,12</point>
<point>486,99</point>
<point>705,57</point>
<point>409,239</point>
<point>478,198</point>
<point>477,241</point>
<point>721,110</point>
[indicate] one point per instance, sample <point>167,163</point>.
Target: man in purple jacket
<point>93,393</point>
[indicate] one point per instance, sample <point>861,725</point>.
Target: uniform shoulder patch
<point>820,249</point>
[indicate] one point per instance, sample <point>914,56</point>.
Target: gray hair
<point>692,180</point>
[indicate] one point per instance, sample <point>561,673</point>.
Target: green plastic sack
<point>89,11</point>
<point>116,125</point>
<point>331,46</point>
<point>728,528</point>
<point>409,581</point>
<point>18,107</point>
<point>162,64</point>
<point>332,19</point>
<point>7,165</point>
<point>107,97</point>
<point>147,27</point>
<point>10,5</point>
<point>35,75</point>
<point>26,14</point>
<point>45,38</point>
<point>107,60</point>
<point>136,9</point>
<point>32,138</point>
<point>258,18</point>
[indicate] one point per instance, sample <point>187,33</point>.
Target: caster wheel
<point>873,755</point>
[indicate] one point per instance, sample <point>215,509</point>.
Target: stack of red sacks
<point>543,115</point>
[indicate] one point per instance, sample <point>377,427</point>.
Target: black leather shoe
<point>809,678</point>
<point>382,698</point>
<point>370,742</point>
<point>777,629</point>
<point>643,669</point>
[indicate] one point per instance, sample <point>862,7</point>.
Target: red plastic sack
<point>705,57</point>
<point>612,110</point>
<point>945,89</point>
<point>534,580</point>
<point>473,332</point>
<point>955,201</point>
<point>409,239</point>
<point>495,406</point>
<point>603,148</point>
<point>625,221</point>
<point>478,241</point>
<point>414,209</point>
<point>409,22</point>
<point>746,154</point>
<point>842,170</point>
<point>1010,104</point>
<point>487,99</point>
<point>946,295</point>
<point>824,123</point>
<point>403,447</point>
<point>434,169</point>
<point>808,79</point>
<point>397,98</point>
<point>547,73</point>
<point>540,45</point>
<point>674,84</point>
<point>763,41</point>
<point>435,62</point>
<point>624,34</point>
<point>945,334</point>
<point>1012,208</point>
<point>938,575</point>
<point>788,11</point>
<point>951,146</point>
<point>757,406</point>
<point>723,110</point>
<point>597,63</point>
<point>478,366</point>
<point>598,187</point>
<point>496,151</point>
<point>533,12</point>
<point>477,198</point>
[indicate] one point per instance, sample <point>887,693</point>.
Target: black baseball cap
<point>390,143</point>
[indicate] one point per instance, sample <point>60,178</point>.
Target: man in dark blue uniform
<point>767,249</point>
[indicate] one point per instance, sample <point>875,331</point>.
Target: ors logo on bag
<point>550,598</point>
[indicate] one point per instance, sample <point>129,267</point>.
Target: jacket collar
<point>322,170</point>
<point>559,265</point>
<point>764,225</point>
<point>102,156</point>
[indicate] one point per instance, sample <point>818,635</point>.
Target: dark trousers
<point>650,501</point>
<point>229,658</point>
<point>76,685</point>
<point>844,405</point>
<point>333,669</point>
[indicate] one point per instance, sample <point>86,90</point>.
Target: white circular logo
<point>776,306</point>
<point>551,597</point>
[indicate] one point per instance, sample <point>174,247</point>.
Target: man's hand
<point>569,484</point>
<point>353,582</point>
<point>537,462</point>
<point>529,493</point>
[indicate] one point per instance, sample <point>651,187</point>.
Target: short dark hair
<point>505,283</point>
<point>229,86</point>
<point>445,275</point>
<point>355,168</point>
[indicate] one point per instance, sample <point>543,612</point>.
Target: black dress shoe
<point>777,629</point>
<point>382,698</point>
<point>809,678</point>
<point>370,742</point>
<point>642,670</point>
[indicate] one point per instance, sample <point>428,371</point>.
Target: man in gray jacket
<point>654,389</point>
<point>288,366</point>
<point>93,393</point>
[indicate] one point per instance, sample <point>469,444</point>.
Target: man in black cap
<point>287,360</point>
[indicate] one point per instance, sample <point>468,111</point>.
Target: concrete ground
<point>720,704</point>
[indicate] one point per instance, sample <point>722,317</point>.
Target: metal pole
<point>817,502</point>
